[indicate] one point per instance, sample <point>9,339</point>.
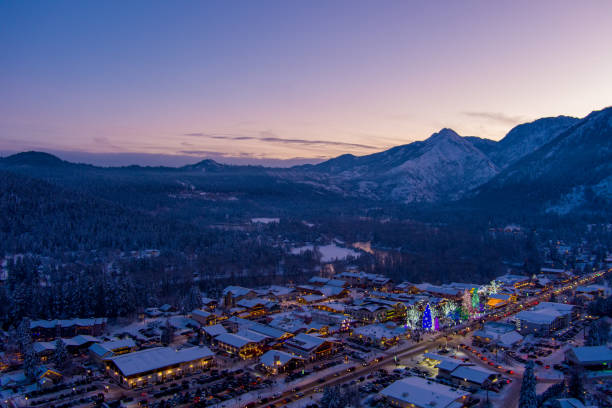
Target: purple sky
<point>250,81</point>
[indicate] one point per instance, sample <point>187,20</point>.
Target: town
<point>346,339</point>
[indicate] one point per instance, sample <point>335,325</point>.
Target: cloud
<point>497,117</point>
<point>270,137</point>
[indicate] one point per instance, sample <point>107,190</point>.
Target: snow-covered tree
<point>448,307</point>
<point>24,336</point>
<point>528,398</point>
<point>167,335</point>
<point>61,357</point>
<point>413,315</point>
<point>30,362</point>
<point>193,300</point>
<point>494,287</point>
<point>575,385</point>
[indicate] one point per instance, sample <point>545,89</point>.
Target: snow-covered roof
<point>562,308</point>
<point>592,354</point>
<point>422,393</point>
<point>306,341</point>
<point>201,313</point>
<point>269,357</point>
<point>472,373</point>
<point>80,340</point>
<point>214,330</point>
<point>252,335</point>
<point>42,346</point>
<point>49,324</point>
<point>379,331</point>
<point>237,291</point>
<point>538,317</point>
<point>158,358</point>
<point>233,340</point>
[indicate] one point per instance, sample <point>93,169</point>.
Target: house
<point>100,352</point>
<point>47,330</point>
<point>277,361</point>
<point>590,357</point>
<point>472,375</point>
<point>213,331</point>
<point>383,335</point>
<point>501,334</point>
<point>157,365</point>
<point>420,393</point>
<point>203,317</point>
<point>311,347</point>
<point>232,294</point>
<point>372,312</point>
<point>238,345</point>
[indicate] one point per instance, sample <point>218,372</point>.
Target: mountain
<point>440,168</point>
<point>34,159</point>
<point>527,138</point>
<point>573,171</point>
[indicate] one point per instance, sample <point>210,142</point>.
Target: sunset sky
<point>250,81</point>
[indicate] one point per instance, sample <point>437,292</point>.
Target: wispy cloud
<point>497,117</point>
<point>270,137</point>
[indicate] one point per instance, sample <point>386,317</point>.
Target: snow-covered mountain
<point>571,171</point>
<point>527,138</point>
<point>442,167</point>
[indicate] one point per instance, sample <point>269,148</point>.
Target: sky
<point>284,82</point>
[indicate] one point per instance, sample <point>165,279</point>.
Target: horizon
<point>124,159</point>
<point>259,85</point>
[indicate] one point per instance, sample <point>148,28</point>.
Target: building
<point>383,335</point>
<point>545,318</point>
<point>590,357</point>
<point>101,352</point>
<point>311,347</point>
<point>204,317</point>
<point>277,361</point>
<point>501,334</point>
<point>156,365</point>
<point>232,294</point>
<point>500,299</point>
<point>213,331</point>
<point>472,375</point>
<point>420,393</point>
<point>47,330</point>
<point>238,345</point>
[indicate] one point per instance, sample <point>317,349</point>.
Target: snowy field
<point>329,253</point>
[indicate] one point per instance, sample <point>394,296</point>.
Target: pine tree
<point>30,362</point>
<point>167,333</point>
<point>193,300</point>
<point>528,398</point>
<point>24,336</point>
<point>475,300</point>
<point>61,357</point>
<point>575,385</point>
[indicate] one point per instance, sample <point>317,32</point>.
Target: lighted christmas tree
<point>437,324</point>
<point>466,306</point>
<point>475,300</point>
<point>427,323</point>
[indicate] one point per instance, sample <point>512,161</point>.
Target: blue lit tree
<point>427,322</point>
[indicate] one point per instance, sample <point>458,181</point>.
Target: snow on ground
<point>328,253</point>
